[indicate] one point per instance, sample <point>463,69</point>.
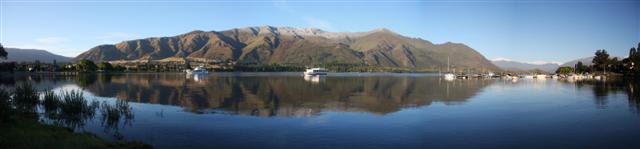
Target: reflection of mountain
<point>286,95</point>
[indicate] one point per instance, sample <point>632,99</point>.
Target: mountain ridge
<point>31,55</point>
<point>300,46</point>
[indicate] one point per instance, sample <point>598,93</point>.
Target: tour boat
<point>198,70</point>
<point>315,71</point>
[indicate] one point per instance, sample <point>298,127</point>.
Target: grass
<point>20,128</point>
<point>29,133</point>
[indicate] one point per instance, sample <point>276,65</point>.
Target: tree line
<point>603,63</point>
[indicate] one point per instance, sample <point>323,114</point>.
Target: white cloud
<point>283,5</point>
<point>501,59</point>
<point>318,23</point>
<point>51,40</point>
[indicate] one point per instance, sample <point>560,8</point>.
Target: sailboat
<point>449,75</point>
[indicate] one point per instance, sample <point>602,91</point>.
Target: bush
<point>25,99</point>
<point>5,106</point>
<point>50,102</point>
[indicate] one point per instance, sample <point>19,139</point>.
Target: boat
<point>315,71</point>
<point>197,70</point>
<point>449,75</point>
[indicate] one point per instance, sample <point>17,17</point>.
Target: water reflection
<point>70,109</point>
<point>314,78</point>
<point>602,89</point>
<point>283,95</point>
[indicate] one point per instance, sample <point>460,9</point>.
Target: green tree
<point>564,70</point>
<point>601,60</point>
<point>105,66</point>
<point>3,53</point>
<point>86,66</point>
<point>581,68</point>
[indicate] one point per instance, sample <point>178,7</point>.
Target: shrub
<point>25,98</point>
<point>5,105</point>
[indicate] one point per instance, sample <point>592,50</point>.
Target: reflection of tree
<point>286,95</point>
<point>70,109</point>
<point>602,89</point>
<point>113,115</point>
<point>85,79</point>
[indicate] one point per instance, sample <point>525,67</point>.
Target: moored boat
<point>315,71</point>
<point>197,70</point>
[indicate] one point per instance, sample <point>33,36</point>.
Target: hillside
<point>295,46</point>
<point>31,55</point>
<point>522,66</point>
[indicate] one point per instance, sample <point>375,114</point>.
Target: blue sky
<point>531,31</point>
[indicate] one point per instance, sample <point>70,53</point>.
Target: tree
<point>632,52</point>
<point>564,70</point>
<point>601,60</point>
<point>86,66</point>
<point>105,66</point>
<point>581,68</point>
<point>3,53</point>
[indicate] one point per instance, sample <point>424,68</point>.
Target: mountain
<point>31,55</point>
<point>522,66</point>
<point>297,46</point>
<point>585,61</point>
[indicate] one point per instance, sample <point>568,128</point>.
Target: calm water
<point>352,110</point>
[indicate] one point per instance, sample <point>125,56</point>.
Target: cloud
<point>318,23</point>
<point>283,5</point>
<point>501,59</point>
<point>51,40</point>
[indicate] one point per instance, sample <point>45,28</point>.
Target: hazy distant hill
<point>301,46</point>
<point>31,55</point>
<point>521,66</point>
<point>585,61</point>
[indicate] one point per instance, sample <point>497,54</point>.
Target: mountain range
<point>295,46</point>
<point>31,55</point>
<point>510,65</point>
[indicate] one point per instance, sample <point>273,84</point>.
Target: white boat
<point>449,76</point>
<point>541,76</point>
<point>197,70</point>
<point>315,71</point>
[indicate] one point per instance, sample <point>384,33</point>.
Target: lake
<point>356,110</point>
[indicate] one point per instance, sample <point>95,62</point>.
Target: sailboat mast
<point>448,66</point>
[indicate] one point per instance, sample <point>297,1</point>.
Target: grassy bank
<point>29,133</point>
<point>22,124</point>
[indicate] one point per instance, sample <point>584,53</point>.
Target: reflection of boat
<point>197,77</point>
<point>315,71</point>
<point>314,78</point>
<point>197,70</point>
